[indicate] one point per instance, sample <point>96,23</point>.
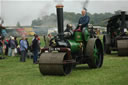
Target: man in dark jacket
<point>84,20</point>
<point>36,48</point>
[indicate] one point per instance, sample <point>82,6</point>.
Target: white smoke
<point>59,2</point>
<point>85,4</point>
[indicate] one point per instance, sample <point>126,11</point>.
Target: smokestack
<point>59,9</point>
<point>122,20</point>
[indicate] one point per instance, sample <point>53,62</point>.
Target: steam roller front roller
<point>122,47</point>
<point>54,64</point>
<point>94,51</point>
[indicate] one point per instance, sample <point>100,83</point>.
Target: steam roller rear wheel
<point>53,64</point>
<point>94,52</point>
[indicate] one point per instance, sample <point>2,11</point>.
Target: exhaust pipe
<point>122,21</point>
<point>59,9</point>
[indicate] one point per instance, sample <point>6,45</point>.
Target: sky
<point>25,11</point>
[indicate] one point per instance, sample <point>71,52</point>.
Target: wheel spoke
<point>96,52</point>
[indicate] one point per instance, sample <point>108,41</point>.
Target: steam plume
<point>59,1</point>
<point>85,4</point>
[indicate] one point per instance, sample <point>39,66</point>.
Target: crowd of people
<point>13,47</point>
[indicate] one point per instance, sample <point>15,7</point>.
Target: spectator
<point>27,43</point>
<point>38,39</point>
<point>16,42</point>
<point>36,48</point>
<point>15,39</point>
<point>9,48</point>
<point>1,45</point>
<point>12,46</point>
<point>47,40</point>
<point>7,45</point>
<point>33,37</point>
<point>18,50</point>
<point>23,49</point>
<point>27,48</point>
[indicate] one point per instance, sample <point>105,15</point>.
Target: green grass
<point>113,72</point>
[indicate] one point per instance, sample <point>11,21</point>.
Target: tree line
<point>72,18</point>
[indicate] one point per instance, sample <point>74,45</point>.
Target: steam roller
<point>68,49</point>
<point>116,38</point>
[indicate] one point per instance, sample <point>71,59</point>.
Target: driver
<point>84,20</point>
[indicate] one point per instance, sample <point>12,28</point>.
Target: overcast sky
<point>25,11</point>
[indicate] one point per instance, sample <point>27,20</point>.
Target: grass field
<point>113,72</point>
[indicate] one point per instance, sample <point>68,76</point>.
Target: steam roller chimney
<point>60,22</point>
<point>122,21</point>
